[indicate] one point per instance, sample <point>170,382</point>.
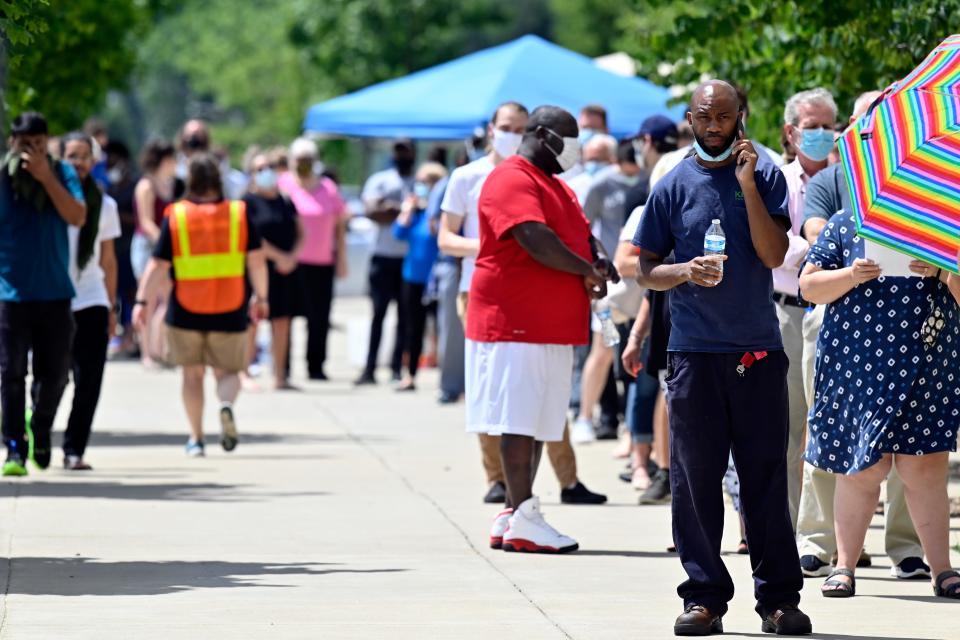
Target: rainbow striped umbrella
<point>902,162</point>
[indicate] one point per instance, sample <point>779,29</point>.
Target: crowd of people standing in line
<point>788,368</point>
<point>724,376</point>
<point>140,262</point>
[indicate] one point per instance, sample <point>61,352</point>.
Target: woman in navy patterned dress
<point>885,393</point>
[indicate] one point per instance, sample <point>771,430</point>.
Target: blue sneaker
<point>195,449</point>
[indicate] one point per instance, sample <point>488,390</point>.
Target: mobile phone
<point>740,129</point>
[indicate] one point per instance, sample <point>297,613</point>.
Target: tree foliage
<point>20,22</point>
<point>66,55</point>
<point>359,42</point>
<point>231,63</point>
<point>589,27</point>
<point>776,48</point>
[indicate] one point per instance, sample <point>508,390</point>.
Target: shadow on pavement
<point>826,636</point>
<point>163,439</point>
<point>624,554</point>
<point>190,492</point>
<point>88,577</point>
<point>929,599</point>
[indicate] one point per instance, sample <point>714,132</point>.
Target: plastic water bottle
<point>715,242</point>
<point>608,328</point>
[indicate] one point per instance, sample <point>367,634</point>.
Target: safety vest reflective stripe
<point>212,265</point>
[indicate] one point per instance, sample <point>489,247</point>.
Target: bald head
<point>600,148</point>
<point>554,118</point>
<point>713,90</point>
<point>862,104</point>
<point>550,131</point>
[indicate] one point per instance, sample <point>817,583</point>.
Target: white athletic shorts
<point>518,388</point>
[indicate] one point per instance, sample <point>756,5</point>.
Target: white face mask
<point>506,143</point>
<point>567,157</point>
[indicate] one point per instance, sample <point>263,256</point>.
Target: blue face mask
<point>816,144</point>
<point>706,157</point>
<point>421,190</point>
<point>592,167</point>
<point>585,135</point>
<point>266,179</point>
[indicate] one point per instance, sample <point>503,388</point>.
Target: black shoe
<point>446,397</point>
<point>659,490</point>
<point>606,432</point>
<point>319,376</point>
<point>813,567</point>
<point>696,620</point>
<point>365,378</point>
<point>787,620</point>
<point>579,494</point>
<point>626,475</point>
<point>912,568</point>
<point>497,494</point>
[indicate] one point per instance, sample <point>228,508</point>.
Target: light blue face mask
<point>816,144</point>
<point>421,190</point>
<point>585,135</point>
<point>592,167</point>
<point>706,157</point>
<point>266,179</point>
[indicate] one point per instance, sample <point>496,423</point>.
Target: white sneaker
<point>499,527</point>
<point>582,432</point>
<point>529,532</point>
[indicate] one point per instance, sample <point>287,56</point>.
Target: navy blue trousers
<point>714,410</point>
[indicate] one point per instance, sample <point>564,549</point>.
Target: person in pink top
<point>323,256</point>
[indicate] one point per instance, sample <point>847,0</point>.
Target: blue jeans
<point>641,400</point>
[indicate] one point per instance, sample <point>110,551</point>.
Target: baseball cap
<point>659,128</point>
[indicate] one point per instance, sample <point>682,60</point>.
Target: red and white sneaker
<point>500,525</point>
<point>530,533</point>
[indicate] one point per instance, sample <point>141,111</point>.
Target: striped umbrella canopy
<point>902,162</point>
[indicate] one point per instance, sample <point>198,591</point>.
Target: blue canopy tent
<point>449,101</point>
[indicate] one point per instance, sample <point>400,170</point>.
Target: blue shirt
<point>34,253</point>
<point>737,315</point>
<point>422,253</point>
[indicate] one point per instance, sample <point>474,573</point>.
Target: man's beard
<point>727,143</point>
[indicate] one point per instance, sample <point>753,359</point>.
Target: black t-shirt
<point>179,317</point>
<point>274,218</point>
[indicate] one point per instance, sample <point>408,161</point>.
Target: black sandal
<point>952,591</point>
<point>842,589</point>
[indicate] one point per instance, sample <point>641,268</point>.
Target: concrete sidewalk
<point>354,513</point>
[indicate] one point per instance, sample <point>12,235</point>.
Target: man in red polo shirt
<point>537,269</point>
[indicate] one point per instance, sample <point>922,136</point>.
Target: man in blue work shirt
<point>39,197</point>
<point>727,385</point>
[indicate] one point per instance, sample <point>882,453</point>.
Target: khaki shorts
<point>220,349</point>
